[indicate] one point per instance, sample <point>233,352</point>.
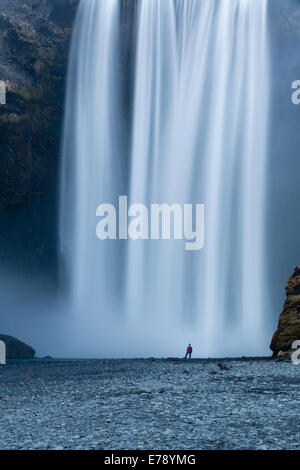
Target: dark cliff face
<point>35,39</point>
<point>34,43</point>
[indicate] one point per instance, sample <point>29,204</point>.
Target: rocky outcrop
<point>15,349</point>
<point>34,43</point>
<point>289,321</point>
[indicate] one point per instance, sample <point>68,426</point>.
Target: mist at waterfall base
<point>191,122</point>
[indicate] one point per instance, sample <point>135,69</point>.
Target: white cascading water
<point>198,135</point>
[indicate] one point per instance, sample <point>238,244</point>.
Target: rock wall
<point>34,44</point>
<point>16,349</point>
<point>289,321</point>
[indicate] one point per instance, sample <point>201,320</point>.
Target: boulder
<point>16,349</point>
<point>289,320</point>
<point>284,354</point>
<point>222,365</point>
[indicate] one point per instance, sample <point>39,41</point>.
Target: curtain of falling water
<point>92,169</point>
<point>199,135</point>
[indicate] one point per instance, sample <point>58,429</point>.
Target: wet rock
<point>16,349</point>
<point>284,354</point>
<point>223,366</point>
<point>150,387</point>
<point>289,321</point>
<point>142,389</point>
<point>251,403</point>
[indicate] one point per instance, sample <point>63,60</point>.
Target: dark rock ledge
<point>16,349</point>
<point>289,321</point>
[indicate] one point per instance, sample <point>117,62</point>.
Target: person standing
<point>189,351</point>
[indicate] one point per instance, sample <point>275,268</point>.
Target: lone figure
<point>189,351</point>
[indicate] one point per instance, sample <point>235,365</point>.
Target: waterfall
<point>198,127</point>
<point>91,149</point>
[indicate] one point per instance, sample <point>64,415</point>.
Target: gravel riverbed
<point>149,404</point>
